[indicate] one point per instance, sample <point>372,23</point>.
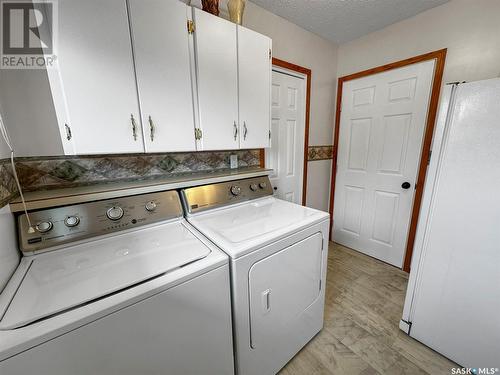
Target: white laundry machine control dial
<point>115,213</point>
<point>150,206</point>
<point>44,226</point>
<point>253,187</point>
<point>235,190</point>
<point>72,221</point>
<point>262,185</point>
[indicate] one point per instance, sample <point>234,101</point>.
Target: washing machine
<point>118,286</point>
<point>278,257</point>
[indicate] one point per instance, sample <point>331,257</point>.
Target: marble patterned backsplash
<point>69,171</point>
<point>8,189</point>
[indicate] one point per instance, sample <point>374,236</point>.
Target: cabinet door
<point>94,89</point>
<point>254,71</point>
<point>161,50</point>
<point>217,68</point>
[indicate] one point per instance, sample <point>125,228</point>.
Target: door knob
<point>406,185</point>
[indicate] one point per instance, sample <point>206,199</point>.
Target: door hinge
<point>190,26</point>
<point>269,134</point>
<point>270,54</point>
<point>69,135</point>
<point>429,159</point>
<point>198,134</point>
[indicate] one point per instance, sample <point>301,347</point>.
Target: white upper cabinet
<point>217,73</point>
<point>162,58</point>
<point>254,72</point>
<point>94,88</point>
<point>132,76</point>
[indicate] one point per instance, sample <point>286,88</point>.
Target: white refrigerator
<point>453,299</point>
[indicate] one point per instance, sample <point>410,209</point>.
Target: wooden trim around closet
<point>307,72</point>
<point>440,58</point>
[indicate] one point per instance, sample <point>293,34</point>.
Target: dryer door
<point>282,288</point>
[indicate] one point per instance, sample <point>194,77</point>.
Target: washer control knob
<point>253,187</point>
<point>262,185</point>
<point>115,213</point>
<point>44,226</point>
<point>72,221</point>
<point>150,206</point>
<point>235,190</point>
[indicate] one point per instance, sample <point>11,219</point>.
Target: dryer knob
<point>235,190</point>
<point>262,185</point>
<point>151,206</point>
<point>72,221</point>
<point>253,187</point>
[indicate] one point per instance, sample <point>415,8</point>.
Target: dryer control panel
<point>63,225</point>
<point>205,197</point>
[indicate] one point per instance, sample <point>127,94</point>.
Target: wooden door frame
<point>307,73</point>
<point>440,57</point>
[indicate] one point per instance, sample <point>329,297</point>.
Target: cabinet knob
<point>134,127</point>
<point>151,128</point>
<point>68,132</point>
<point>235,130</point>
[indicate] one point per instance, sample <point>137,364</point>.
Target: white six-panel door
<point>94,87</point>
<point>381,130</point>
<point>217,73</point>
<point>286,155</point>
<point>162,59</point>
<point>254,73</point>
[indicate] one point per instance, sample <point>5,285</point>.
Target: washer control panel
<point>63,225</point>
<point>201,198</point>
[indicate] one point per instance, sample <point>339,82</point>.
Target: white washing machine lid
<point>242,228</point>
<point>62,280</point>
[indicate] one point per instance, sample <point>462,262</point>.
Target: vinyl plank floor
<point>361,336</point>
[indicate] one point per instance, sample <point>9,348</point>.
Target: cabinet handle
<point>68,132</point>
<point>245,130</point>
<point>134,127</point>
<point>152,128</point>
<point>266,301</point>
<point>235,130</point>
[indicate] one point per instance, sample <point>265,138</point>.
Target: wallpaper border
<point>315,153</point>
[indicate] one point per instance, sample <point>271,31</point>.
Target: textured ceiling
<point>344,20</point>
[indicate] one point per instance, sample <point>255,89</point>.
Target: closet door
<point>254,73</point>
<point>94,89</point>
<point>162,58</point>
<point>217,68</point>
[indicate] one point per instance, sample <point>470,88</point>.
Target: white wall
<point>470,29</point>
<point>318,184</point>
<point>298,46</point>
<point>4,150</point>
<point>9,256</point>
<point>28,112</point>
